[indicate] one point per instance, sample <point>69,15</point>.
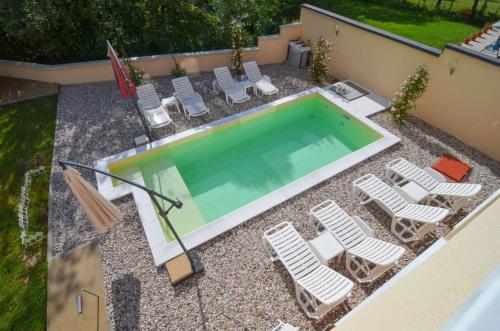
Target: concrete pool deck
<point>240,287</point>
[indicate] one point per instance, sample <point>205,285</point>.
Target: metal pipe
<point>152,194</point>
<point>177,203</point>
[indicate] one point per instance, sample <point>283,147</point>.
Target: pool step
<point>162,176</point>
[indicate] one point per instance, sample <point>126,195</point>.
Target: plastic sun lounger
<point>191,102</point>
<point>261,83</point>
<point>409,221</point>
<point>282,326</point>
<point>234,91</point>
<point>318,288</point>
<point>150,106</point>
<point>441,192</point>
<point>366,257</point>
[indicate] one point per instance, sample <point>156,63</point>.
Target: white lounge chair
<point>261,83</point>
<point>366,257</point>
<point>409,221</point>
<point>441,192</point>
<point>318,288</point>
<point>234,91</point>
<point>282,326</point>
<point>150,106</point>
<point>191,102</point>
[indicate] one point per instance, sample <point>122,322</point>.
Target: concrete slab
<point>68,274</point>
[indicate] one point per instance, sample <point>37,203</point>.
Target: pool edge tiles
<point>163,250</point>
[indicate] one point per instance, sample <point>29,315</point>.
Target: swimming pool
<point>233,169</point>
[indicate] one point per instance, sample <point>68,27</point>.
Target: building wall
<point>464,104</point>
<point>270,49</point>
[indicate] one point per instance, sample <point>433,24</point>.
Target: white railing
<point>27,238</point>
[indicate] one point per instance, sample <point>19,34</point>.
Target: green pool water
<point>217,172</point>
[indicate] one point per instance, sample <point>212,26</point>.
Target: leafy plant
<point>237,42</point>
<point>177,70</point>
<point>320,59</point>
<point>136,74</point>
<point>411,89</point>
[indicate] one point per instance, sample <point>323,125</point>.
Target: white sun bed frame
<point>262,84</point>
<point>318,288</point>
<point>282,326</point>
<point>191,101</point>
<point>150,106</point>
<point>234,91</point>
<point>410,221</point>
<point>366,257</point>
<point>441,192</point>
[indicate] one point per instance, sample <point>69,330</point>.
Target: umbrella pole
<point>194,260</point>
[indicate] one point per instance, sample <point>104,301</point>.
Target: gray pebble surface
<point>240,289</point>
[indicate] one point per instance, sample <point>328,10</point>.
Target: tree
<point>237,41</point>
<point>474,8</point>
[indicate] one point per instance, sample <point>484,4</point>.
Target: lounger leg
<point>359,269</point>
<point>308,304</point>
<point>269,250</point>
<point>362,197</point>
<point>316,225</point>
<point>394,178</point>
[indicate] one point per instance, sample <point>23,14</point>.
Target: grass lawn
<point>420,24</point>
<point>26,140</point>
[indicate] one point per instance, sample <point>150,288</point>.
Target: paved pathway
<point>15,89</point>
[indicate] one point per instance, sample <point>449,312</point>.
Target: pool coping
<point>162,250</point>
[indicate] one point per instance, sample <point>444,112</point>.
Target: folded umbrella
<point>101,212</point>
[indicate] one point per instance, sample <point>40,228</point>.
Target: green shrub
<point>320,59</point>
<point>411,90</point>
<point>237,42</point>
<point>137,75</point>
<point>177,70</point>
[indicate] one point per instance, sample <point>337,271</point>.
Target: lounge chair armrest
<point>366,229</point>
<point>435,174</point>
<point>266,78</point>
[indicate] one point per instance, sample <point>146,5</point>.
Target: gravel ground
<point>240,288</point>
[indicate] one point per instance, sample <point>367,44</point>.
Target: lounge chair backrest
<point>252,71</point>
<point>292,250</point>
<point>148,97</point>
<point>377,189</point>
<point>224,77</point>
<point>183,87</point>
<point>339,223</point>
<point>411,172</point>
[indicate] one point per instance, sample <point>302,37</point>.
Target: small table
<point>326,247</point>
<point>414,192</point>
<point>169,102</point>
<point>248,84</point>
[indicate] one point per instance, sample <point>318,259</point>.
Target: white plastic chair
<point>366,257</point>
<point>318,288</point>
<point>150,106</point>
<point>262,84</point>
<point>282,326</point>
<point>409,221</point>
<point>234,91</point>
<point>192,102</point>
<point>442,193</point>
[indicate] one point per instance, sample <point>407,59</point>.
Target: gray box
<point>298,54</point>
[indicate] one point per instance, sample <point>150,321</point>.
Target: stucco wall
<point>270,49</point>
<point>464,104</point>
